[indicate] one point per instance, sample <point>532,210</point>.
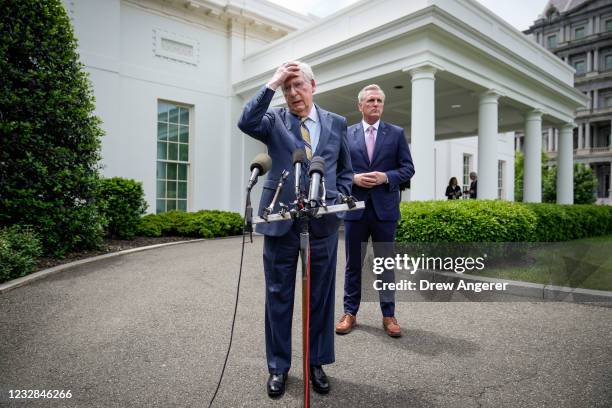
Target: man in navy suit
<point>381,161</point>
<point>303,125</point>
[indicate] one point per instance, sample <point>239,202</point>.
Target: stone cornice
<point>426,19</point>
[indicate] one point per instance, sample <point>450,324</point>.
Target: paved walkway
<point>150,329</point>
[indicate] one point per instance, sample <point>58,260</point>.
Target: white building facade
<point>170,79</point>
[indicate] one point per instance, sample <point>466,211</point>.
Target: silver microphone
<point>316,171</point>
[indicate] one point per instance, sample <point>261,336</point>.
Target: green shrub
<point>49,136</point>
<point>19,247</point>
<point>122,203</point>
<point>585,185</point>
<point>202,224</point>
<point>500,221</point>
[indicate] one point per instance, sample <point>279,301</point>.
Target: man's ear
<point>313,84</point>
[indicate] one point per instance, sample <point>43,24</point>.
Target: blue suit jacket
<point>391,156</point>
<point>279,130</point>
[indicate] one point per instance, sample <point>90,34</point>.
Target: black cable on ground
<point>229,347</point>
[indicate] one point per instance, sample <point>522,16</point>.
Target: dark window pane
<point>170,205</point>
<point>182,189</point>
<point>161,189</point>
<point>171,189</point>
<point>162,150</point>
<point>173,133</point>
<point>184,116</point>
<point>184,134</point>
<point>608,61</point>
<point>162,131</point>
<point>172,151</point>
<point>161,206</point>
<point>174,114</point>
<point>161,170</point>
<point>162,111</point>
<point>171,174</point>
<point>184,152</point>
<point>182,205</point>
<point>182,172</point>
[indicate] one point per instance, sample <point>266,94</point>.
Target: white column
<point>610,180</point>
<point>596,60</point>
<point>587,135</point>
<point>580,136</point>
<point>595,98</point>
<point>532,181</point>
<point>565,163</point>
<point>487,145</point>
<point>549,141</point>
<point>423,128</point>
<point>588,60</point>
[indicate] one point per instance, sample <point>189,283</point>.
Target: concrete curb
<point>25,280</point>
<point>540,290</point>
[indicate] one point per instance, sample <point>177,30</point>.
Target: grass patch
<point>582,263</point>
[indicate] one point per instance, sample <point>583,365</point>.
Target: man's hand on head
<point>284,72</point>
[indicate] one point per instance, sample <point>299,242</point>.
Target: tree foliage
<point>49,136</point>
<point>585,182</point>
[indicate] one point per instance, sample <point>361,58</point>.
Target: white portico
<point>450,69</point>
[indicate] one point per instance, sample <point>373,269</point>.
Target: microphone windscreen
<point>263,162</point>
<point>299,156</point>
<point>317,165</point>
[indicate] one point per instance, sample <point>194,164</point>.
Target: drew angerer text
<point>426,285</point>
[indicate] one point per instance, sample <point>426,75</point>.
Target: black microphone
<point>316,171</point>
<point>299,156</point>
<point>259,166</point>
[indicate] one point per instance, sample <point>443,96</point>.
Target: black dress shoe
<point>320,383</point>
<point>276,385</point>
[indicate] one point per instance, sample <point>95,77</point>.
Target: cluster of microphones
<point>315,198</point>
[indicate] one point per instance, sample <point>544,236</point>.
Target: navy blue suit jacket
<point>391,156</point>
<point>279,130</point>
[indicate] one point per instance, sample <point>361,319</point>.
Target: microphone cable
<point>229,347</point>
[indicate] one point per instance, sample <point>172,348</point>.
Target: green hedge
<point>19,247</point>
<point>122,203</point>
<point>500,221</point>
<point>202,224</point>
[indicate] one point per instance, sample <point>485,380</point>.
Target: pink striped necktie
<point>370,142</point>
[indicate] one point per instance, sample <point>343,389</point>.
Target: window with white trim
<point>467,169</point>
<point>501,169</point>
<point>173,132</point>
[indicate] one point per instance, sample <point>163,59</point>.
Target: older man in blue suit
<point>381,161</point>
<point>303,125</point>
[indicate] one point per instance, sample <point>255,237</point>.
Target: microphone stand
<point>302,212</point>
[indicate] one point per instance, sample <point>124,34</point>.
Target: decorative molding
<point>175,47</point>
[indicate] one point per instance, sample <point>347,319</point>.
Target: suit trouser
<point>280,258</point>
<point>357,233</point>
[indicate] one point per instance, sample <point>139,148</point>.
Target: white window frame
<point>501,185</point>
<point>179,143</point>
<point>467,169</point>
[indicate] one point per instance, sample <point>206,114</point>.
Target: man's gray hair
<point>473,174</point>
<point>306,70</point>
<point>372,87</point>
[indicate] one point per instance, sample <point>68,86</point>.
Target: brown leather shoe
<point>391,327</point>
<point>346,324</point>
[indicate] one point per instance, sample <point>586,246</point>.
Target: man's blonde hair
<point>372,87</point>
